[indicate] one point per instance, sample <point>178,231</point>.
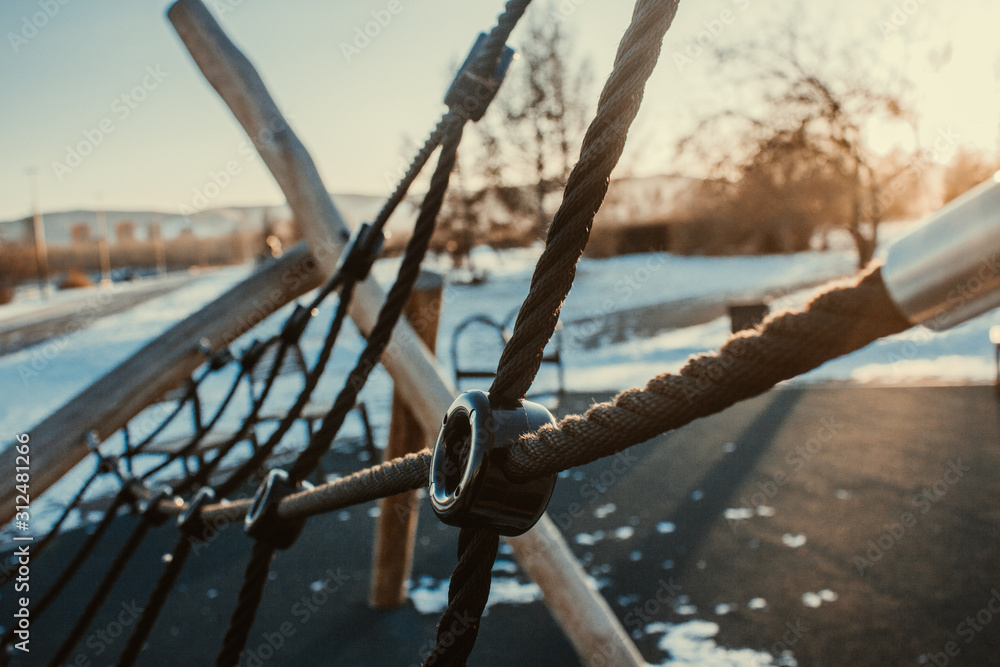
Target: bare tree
<point>967,169</point>
<point>541,109</point>
<point>804,132</point>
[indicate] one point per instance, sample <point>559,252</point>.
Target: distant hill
<point>205,224</point>
<point>629,200</point>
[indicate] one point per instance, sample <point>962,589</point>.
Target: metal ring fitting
<point>190,521</point>
<point>149,507</point>
<point>467,485</point>
<point>262,522</point>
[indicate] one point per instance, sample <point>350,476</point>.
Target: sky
<point>109,78</point>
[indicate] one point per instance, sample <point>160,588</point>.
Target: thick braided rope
<point>250,596</point>
<point>397,476</point>
<point>585,190</point>
<point>554,274</point>
<point>459,625</point>
<point>842,319</point>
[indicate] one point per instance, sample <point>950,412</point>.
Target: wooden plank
<point>59,442</point>
<point>396,529</point>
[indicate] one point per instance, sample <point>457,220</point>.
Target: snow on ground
<point>38,380</point>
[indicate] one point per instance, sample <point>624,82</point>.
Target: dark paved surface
<point>861,473</point>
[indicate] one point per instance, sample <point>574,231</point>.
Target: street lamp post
<point>38,233</point>
<point>102,246</point>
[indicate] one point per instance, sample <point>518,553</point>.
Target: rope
<point>459,625</point>
<point>74,564</point>
<point>585,190</point>
<point>43,543</point>
<point>100,594</point>
<point>842,319</point>
<point>312,379</point>
<point>553,277</point>
<point>254,579</point>
<point>154,605</point>
<point>251,593</point>
<point>378,338</point>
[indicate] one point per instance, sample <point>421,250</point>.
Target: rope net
<point>844,318</point>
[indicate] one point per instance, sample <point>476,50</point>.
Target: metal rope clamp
<point>468,488</point>
<point>357,260</point>
<point>472,90</point>
<point>262,522</point>
<point>150,508</point>
<point>190,521</point>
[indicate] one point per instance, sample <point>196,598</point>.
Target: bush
<point>75,279</point>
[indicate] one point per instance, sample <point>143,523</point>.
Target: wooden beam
<point>396,528</point>
<point>59,442</point>
<point>583,614</point>
<point>240,86</point>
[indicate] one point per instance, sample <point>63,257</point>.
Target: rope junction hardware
<point>467,487</point>
<point>494,465</point>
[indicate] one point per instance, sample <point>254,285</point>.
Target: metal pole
<point>38,229</point>
<point>102,246</point>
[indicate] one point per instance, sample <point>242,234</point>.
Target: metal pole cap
<point>467,486</point>
<point>947,269</point>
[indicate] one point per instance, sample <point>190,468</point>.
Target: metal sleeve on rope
<point>946,270</point>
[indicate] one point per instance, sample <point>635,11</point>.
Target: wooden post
<point>397,523</point>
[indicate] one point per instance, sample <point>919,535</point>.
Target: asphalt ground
<point>863,530</point>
